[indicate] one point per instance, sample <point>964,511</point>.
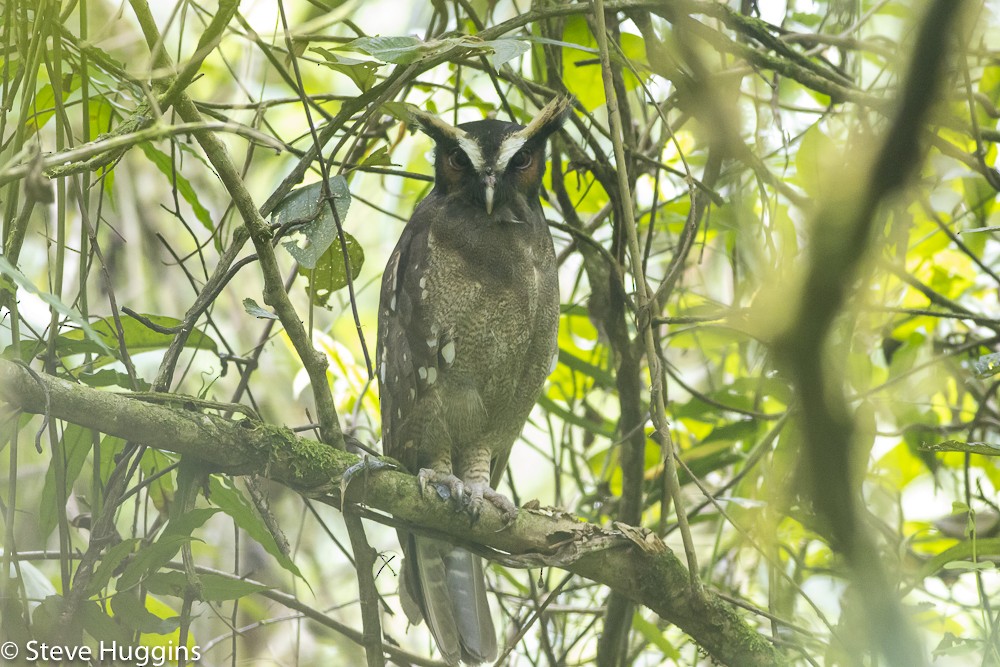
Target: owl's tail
<point>446,586</point>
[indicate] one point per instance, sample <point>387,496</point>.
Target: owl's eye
<point>458,159</point>
<point>521,160</point>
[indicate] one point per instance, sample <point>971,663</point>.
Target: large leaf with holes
<point>306,211</point>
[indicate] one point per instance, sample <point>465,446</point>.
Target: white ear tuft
<point>545,123</point>
<point>440,131</point>
<point>548,119</point>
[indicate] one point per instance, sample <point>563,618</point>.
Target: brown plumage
<point>468,321</point>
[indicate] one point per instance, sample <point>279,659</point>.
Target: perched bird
<point>467,329</point>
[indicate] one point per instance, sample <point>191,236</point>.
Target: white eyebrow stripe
<point>508,149</point>
<point>472,151</point>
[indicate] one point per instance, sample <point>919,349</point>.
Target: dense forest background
<point>772,434</point>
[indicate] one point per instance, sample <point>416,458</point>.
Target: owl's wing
<point>405,357</point>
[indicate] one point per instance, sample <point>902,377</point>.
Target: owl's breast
<point>499,313</point>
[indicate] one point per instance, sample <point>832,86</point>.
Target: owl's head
<point>492,163</point>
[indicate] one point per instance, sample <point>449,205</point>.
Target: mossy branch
<point>628,561</point>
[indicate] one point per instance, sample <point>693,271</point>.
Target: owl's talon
<point>480,493</point>
<point>446,485</point>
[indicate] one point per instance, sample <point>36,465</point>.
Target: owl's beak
<point>489,188</point>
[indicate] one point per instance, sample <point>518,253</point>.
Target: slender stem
<point>643,296</point>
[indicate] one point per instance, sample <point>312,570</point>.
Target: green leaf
<point>229,499</point>
<point>655,636</point>
<point>808,19</point>
<point>255,309</point>
<point>987,365</point>
<point>102,117</point>
<point>511,579</point>
<point>45,102</point>
<point>605,428</point>
<point>161,489</point>
<point>140,338</point>
<point>814,162</point>
<point>29,348</point>
<point>505,50</point>
<point>380,158</point>
<point>7,285</point>
<point>109,563</point>
<point>398,110</point>
<point>47,622</point>
<point>100,626</point>
<point>361,72</point>
<point>730,432</point>
<point>166,165</point>
<point>133,614</point>
<point>401,50</point>
<point>111,447</point>
<point>74,447</point>
<point>950,645</point>
<point>979,549</point>
<point>969,565</point>
<point>189,521</point>
<point>150,559</point>
<point>601,377</point>
<point>330,273</point>
<point>983,448</point>
<point>214,587</point>
<point>36,585</point>
<point>581,66</point>
<point>306,208</point>
<point>72,315</point>
<point>112,378</point>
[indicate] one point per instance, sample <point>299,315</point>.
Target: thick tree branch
<point>639,567</point>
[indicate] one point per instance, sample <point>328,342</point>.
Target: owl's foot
<point>481,492</point>
<point>446,484</point>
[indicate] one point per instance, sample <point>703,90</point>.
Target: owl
<point>467,329</point>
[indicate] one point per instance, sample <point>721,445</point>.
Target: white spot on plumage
<point>381,372</point>
<point>394,270</point>
<point>432,375</point>
<point>413,393</point>
<point>432,343</point>
<point>392,303</point>
<point>554,362</point>
<point>423,294</point>
<point>422,372</point>
<point>448,352</point>
<point>423,282</point>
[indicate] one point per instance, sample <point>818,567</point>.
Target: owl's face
<point>493,165</point>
